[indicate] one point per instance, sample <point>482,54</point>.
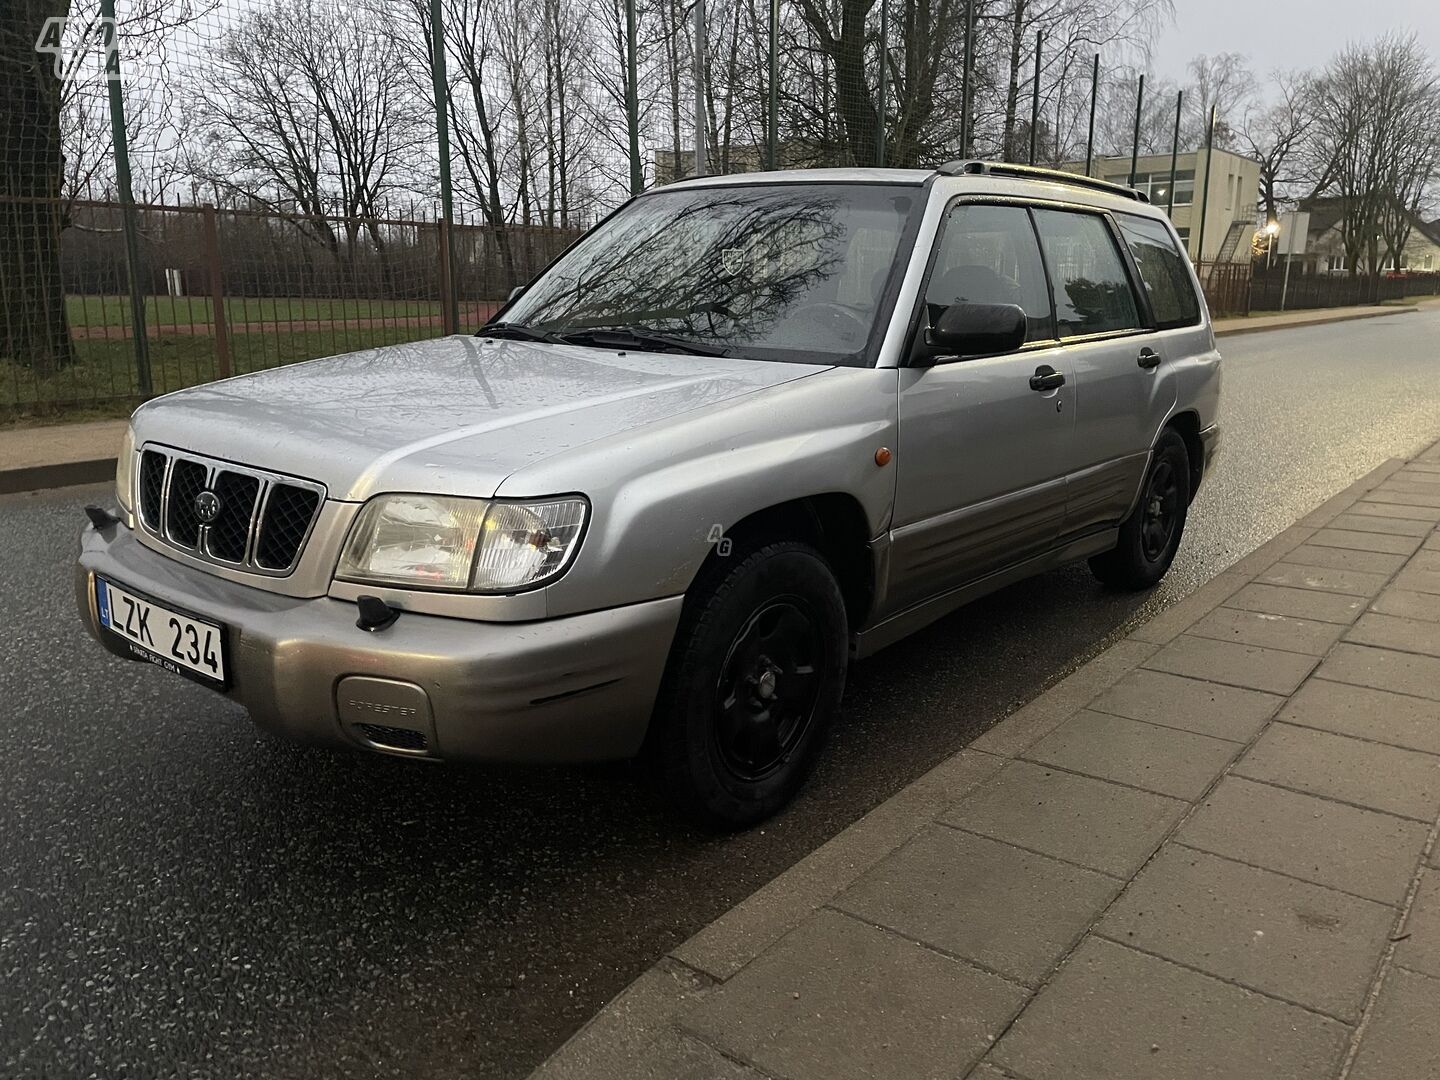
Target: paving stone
<point>1408,604</point>
<point>1357,540</point>
<point>1403,782</point>
<point>1339,558</point>
<point>1226,712</point>
<point>1236,665</point>
<point>1394,632</point>
<point>1406,492</point>
<point>1382,525</point>
<point>674,1056</point>
<point>1159,759</point>
<point>1384,669</point>
<point>1389,508</point>
<point>1432,542</point>
<point>1421,950</point>
<point>1297,603</point>
<point>1270,631</point>
<point>837,998</point>
<point>1418,579</point>
<point>1008,910</point>
<point>1117,1014</point>
<point>1400,1043</point>
<point>1412,475</point>
<point>1350,582</point>
<point>1179,617</point>
<point>1363,852</point>
<point>1379,715</point>
<point>1298,941</point>
<point>1426,560</point>
<point>1046,712</point>
<point>1103,826</point>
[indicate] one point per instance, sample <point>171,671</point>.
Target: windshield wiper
<point>519,332</point>
<point>639,337</point>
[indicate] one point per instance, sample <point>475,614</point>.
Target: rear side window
<point>1164,271</point>
<point>1087,273</point>
<point>988,255</point>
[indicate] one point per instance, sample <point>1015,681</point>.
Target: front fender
<point>662,495</point>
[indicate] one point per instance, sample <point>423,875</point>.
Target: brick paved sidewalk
<point>1210,852</point>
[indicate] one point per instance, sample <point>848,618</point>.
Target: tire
<point>752,685</point>
<point>1151,534</point>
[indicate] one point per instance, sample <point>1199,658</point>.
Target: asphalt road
<point>182,897</point>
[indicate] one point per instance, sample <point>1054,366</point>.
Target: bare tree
<point>1224,83</point>
<point>1375,120</point>
<point>1277,136</point>
<point>307,112</point>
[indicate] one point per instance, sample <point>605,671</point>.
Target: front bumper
<point>579,688</point>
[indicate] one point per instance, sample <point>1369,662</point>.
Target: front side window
<point>771,272</point>
<point>1092,291</point>
<point>988,255</point>
<point>1162,270</point>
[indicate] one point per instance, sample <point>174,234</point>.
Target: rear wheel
<point>1150,536</point>
<point>753,683</point>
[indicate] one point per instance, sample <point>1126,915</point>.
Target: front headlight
<point>476,545</point>
<point>125,470</point>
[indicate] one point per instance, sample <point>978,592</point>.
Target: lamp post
<point>1272,230</point>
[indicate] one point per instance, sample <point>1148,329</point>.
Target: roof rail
<point>1034,172</point>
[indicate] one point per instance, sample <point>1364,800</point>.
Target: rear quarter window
<point>1164,271</point>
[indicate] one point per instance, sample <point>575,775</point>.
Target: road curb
<point>1236,331</point>
<point>62,474</point>
<point>638,1026</point>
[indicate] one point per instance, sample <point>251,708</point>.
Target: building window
<point>1429,262</point>
<point>1156,185</point>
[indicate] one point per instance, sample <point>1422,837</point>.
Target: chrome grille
<point>152,486</point>
<point>287,519</point>
<point>262,521</point>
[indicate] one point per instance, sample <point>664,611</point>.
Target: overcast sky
<point>1286,33</point>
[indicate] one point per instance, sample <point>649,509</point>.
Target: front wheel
<point>1150,536</point>
<point>753,683</point>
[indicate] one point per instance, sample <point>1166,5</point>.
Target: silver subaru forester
<point>745,430</point>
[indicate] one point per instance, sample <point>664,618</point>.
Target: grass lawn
<point>103,382</point>
<point>195,310</point>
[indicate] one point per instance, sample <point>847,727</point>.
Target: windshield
<point>770,272</point>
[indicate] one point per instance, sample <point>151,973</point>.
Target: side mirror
<point>977,329</point>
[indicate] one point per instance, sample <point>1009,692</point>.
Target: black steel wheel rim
<point>769,684</point>
<point>1160,511</point>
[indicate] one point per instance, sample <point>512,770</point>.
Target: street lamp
<point>1272,230</point>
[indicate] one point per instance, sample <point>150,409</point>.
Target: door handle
<point>1148,358</point>
<point>1046,378</point>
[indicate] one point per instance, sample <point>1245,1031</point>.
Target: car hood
<point>455,415</point>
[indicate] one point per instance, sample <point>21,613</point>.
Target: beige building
<point>1325,242</point>
<point>1228,198</point>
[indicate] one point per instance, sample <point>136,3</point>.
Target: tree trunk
<point>1012,88</point>
<point>34,330</point>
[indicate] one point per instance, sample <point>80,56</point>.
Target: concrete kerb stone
<point>614,1042</point>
